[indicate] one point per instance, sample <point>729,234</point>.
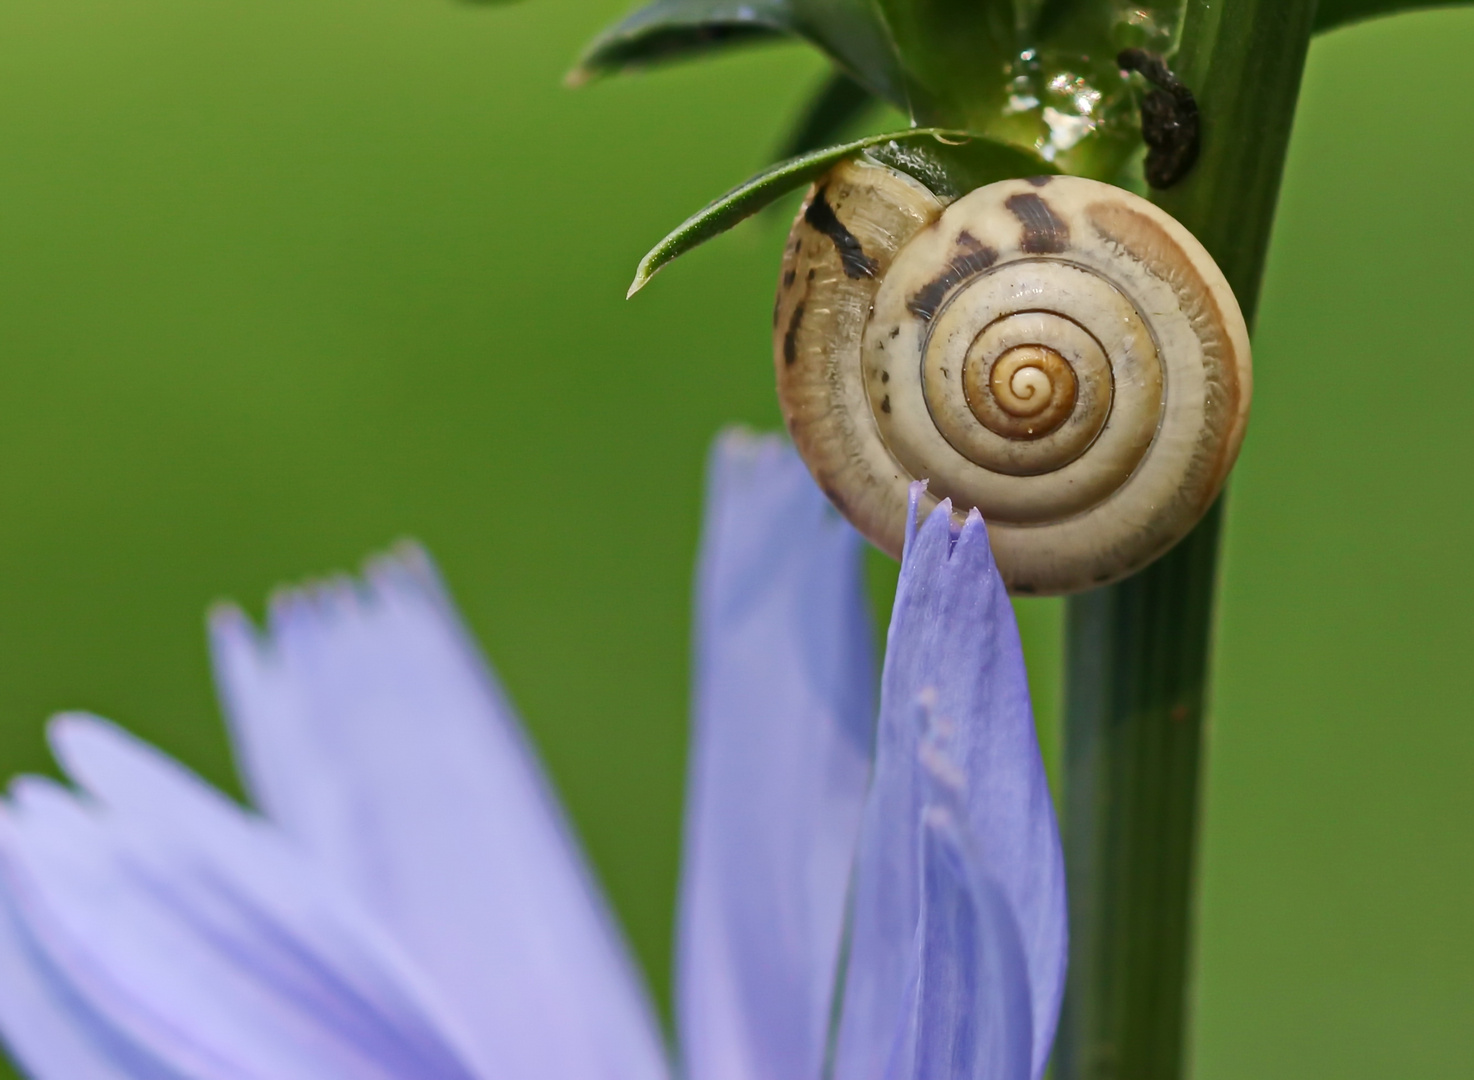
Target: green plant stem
<point>1137,653</point>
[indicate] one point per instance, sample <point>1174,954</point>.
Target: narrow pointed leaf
<point>922,152</point>
<point>748,198</point>
<point>679,29</point>
<point>850,32</point>
<point>1333,13</point>
<point>952,169</point>
<point>838,102</point>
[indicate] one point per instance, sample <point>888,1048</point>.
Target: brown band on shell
<point>1139,237</point>
<point>972,258</point>
<point>820,384</point>
<point>852,255</point>
<point>1044,233</point>
<point>1067,361</point>
<point>790,339</point>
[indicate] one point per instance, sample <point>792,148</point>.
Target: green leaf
<point>678,29</point>
<point>952,169</point>
<point>851,32</point>
<point>949,162</point>
<point>748,198</point>
<point>1333,13</point>
<point>839,102</point>
<point>953,54</point>
<point>1040,74</point>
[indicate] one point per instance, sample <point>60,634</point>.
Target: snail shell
<point>1056,352</point>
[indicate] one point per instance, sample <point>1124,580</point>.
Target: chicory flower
<point>408,903</point>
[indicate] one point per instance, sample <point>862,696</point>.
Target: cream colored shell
<point>1056,352</point>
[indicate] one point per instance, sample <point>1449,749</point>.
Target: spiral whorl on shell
<point>1056,352</point>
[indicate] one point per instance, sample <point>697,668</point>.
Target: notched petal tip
<point>405,567</point>
<point>914,494</point>
<point>405,570</point>
<point>286,605</point>
<point>921,531</point>
<point>227,619</point>
<point>971,550</point>
<point>971,537</point>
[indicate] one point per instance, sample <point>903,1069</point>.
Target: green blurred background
<point>284,280</point>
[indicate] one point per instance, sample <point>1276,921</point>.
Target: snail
<point>1056,352</point>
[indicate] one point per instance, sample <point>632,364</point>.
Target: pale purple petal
<point>372,733</point>
<point>196,934</point>
<point>956,744</point>
<point>51,1032</point>
<point>779,761</point>
<point>968,951</point>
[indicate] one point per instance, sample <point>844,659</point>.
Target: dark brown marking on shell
<point>788,276</point>
<point>972,258</point>
<point>885,405</point>
<point>885,376</point>
<point>1038,181</point>
<point>790,337</point>
<point>811,274</point>
<point>851,255</point>
<point>1044,234</point>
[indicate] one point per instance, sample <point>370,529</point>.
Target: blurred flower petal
<point>199,936</point>
<point>413,906</point>
<point>956,745</point>
<point>52,1032</point>
<point>780,760</point>
<point>371,732</point>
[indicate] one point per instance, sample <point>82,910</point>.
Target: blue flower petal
<point>373,734</point>
<point>199,937</point>
<point>780,752</point>
<point>959,842</point>
<point>49,1029</point>
<point>968,950</point>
